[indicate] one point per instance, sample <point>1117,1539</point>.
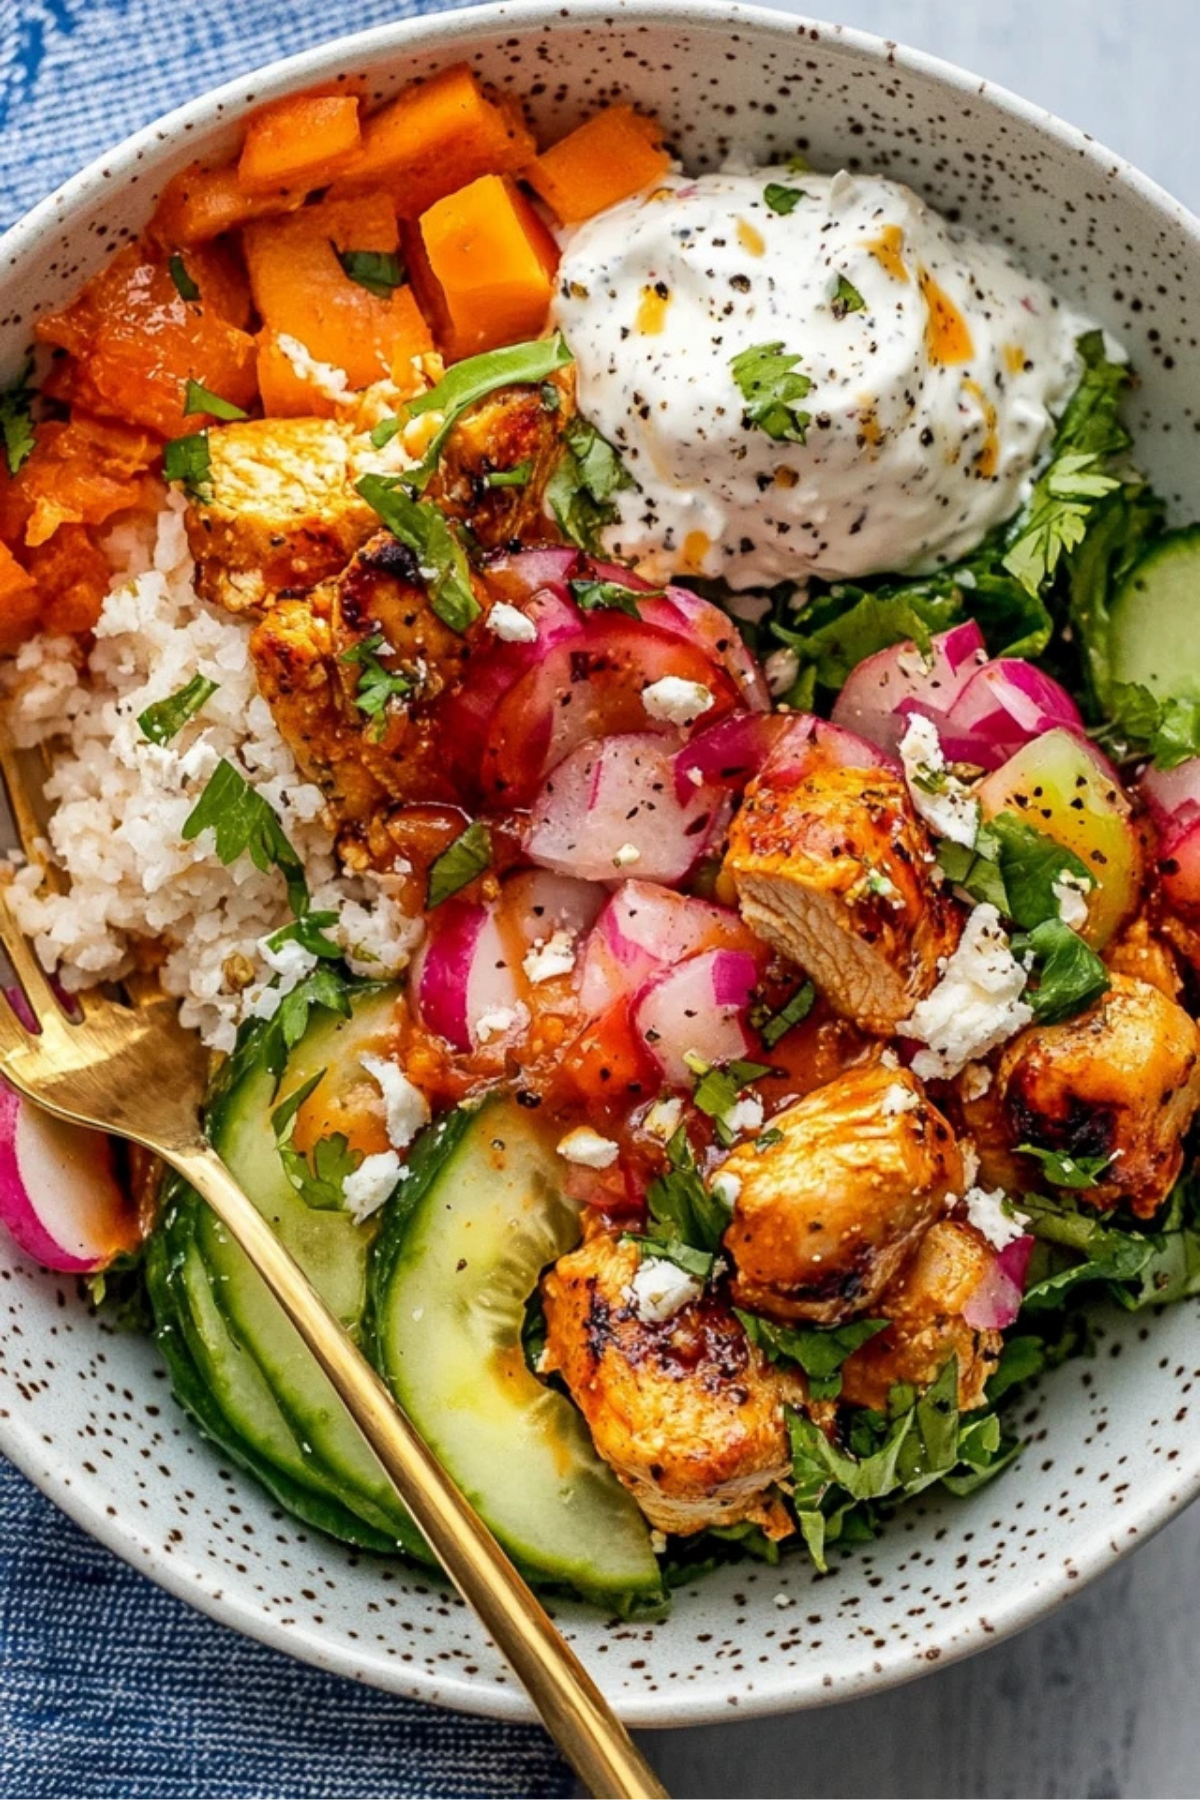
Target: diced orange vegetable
<point>304,141</point>
<point>72,578</point>
<point>198,204</point>
<point>20,603</point>
<point>613,155</point>
<point>286,393</point>
<point>141,342</point>
<point>493,261</point>
<point>413,338</point>
<point>435,137</point>
<point>219,273</point>
<point>78,473</point>
<point>301,289</point>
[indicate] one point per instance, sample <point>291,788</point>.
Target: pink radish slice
<point>609,799</point>
<point>1003,706</point>
<point>59,1195</point>
<point>870,701</point>
<point>529,571</point>
<point>698,1007</point>
<point>541,903</point>
<point>1179,869</point>
<point>645,928</point>
<point>1173,797</point>
<point>808,737</point>
<point>686,615</point>
<point>442,970</point>
<point>728,753</point>
<point>997,1300</point>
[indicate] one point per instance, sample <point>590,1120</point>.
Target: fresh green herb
<point>162,721</point>
<point>767,380</point>
<point>186,460</point>
<point>120,1294</point>
<point>835,633</point>
<point>185,287</point>
<point>793,1012</point>
<point>681,1208</point>
<point>1141,725</point>
<point>1069,974</point>
<point>580,491</point>
<point>766,1140</point>
<point>782,199</point>
<point>718,1090</point>
<point>516,477</point>
<point>846,299</point>
<point>459,865</point>
<point>377,686</point>
<point>319,1183</point>
<point>243,823</point>
<point>470,381</point>
<point>1065,1170</point>
<point>16,418</point>
<point>379,271</point>
<point>1015,868</point>
<point>820,1350</point>
<point>199,399</point>
<point>434,542</point>
<point>309,931</point>
<point>599,596</point>
<point>327,989</point>
<point>550,397</point>
<point>697,1263</point>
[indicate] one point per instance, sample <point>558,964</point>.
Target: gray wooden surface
<point>1104,1697</point>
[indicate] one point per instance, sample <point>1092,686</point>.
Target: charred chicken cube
<point>679,1402</point>
<point>832,867</point>
<point>824,1217</point>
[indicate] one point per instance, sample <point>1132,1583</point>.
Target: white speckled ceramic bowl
<point>1113,1449</point>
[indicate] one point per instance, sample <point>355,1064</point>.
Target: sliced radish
<point>519,576</point>
<point>645,928</point>
<point>685,614</point>
<point>1002,707</point>
<point>995,1303</point>
<point>728,753</point>
<point>874,692</point>
<point>442,969</point>
<point>810,739</point>
<point>699,1008</point>
<point>1179,869</point>
<point>611,807</point>
<point>540,903</point>
<point>1173,797</point>
<point>59,1195</point>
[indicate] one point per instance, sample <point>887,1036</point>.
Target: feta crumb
<point>744,1115</point>
<point>406,1109</point>
<point>626,856</point>
<point>975,1006</point>
<point>783,1601</point>
<point>660,1289</point>
<point>499,1020</point>
<point>675,700</point>
<point>888,1059</point>
<point>987,1213</point>
<point>944,802</point>
<point>1071,892</point>
<point>550,957</point>
<point>781,669</point>
<point>588,1148</point>
<point>726,1189</point>
<point>899,1099</point>
<point>976,1080</point>
<point>662,1120</point>
<point>365,1190</point>
<point>510,624</point>
<point>970,1160</point>
<point>327,380</point>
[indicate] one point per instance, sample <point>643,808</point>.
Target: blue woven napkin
<point>109,1687</point>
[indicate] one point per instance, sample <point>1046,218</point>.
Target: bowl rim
<point>439,31</point>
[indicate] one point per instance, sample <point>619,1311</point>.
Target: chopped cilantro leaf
<point>186,460</point>
<point>435,543</point>
<point>16,418</point>
<point>718,1088</point>
<point>320,1182</point>
<point>1065,1170</point>
<point>327,988</point>
<point>516,477</point>
<point>766,378</point>
<point>199,399</point>
<point>1069,975</point>
<point>243,823</point>
<point>1015,868</point>
<point>379,271</point>
<point>697,1263</point>
<point>820,1350</point>
<point>459,865</point>
<point>580,491</point>
<point>185,287</point>
<point>377,686</point>
<point>1166,730</point>
<point>165,718</point>
<point>597,596</point>
<point>681,1207</point>
<point>309,932</point>
<point>846,299</point>
<point>792,1012</point>
<point>782,199</point>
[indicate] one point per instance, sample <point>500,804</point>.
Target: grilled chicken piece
<point>283,513</point>
<point>823,1220</point>
<point>1141,953</point>
<point>832,868</point>
<point>511,429</point>
<point>925,1304</point>
<point>1121,1080</point>
<point>687,1411</point>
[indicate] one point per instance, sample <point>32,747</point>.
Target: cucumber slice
<point>1154,628</point>
<point>463,1244</point>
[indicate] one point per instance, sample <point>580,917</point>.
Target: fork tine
<point>28,970</point>
<point>13,1035</point>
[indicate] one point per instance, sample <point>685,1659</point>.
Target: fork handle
<point>572,1707</point>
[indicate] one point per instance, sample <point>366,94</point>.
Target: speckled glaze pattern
<point>1113,1449</point>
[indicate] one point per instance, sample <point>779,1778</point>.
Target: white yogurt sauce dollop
<point>930,405</point>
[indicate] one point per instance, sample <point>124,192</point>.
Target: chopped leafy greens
<point>1137,1267</point>
<point>16,418</point>
<point>681,1207</point>
<point>516,477</point>
<point>846,299</point>
<point>379,271</point>
<point>435,543</point>
<point>793,1012</point>
<point>611,596</point>
<point>820,1350</point>
<point>697,1263</point>
<point>166,718</point>
<point>378,686</point>
<point>320,1182</point>
<point>460,864</point>
<point>326,987</point>
<point>309,931</point>
<point>770,386</point>
<point>1015,867</point>
<point>718,1089</point>
<point>1168,731</point>
<point>782,199</point>
<point>199,399</point>
<point>243,823</point>
<point>580,491</point>
<point>470,381</point>
<point>1067,974</point>
<point>186,460</point>
<point>185,287</point>
<point>1063,1170</point>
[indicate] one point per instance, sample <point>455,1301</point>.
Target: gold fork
<point>135,1071</point>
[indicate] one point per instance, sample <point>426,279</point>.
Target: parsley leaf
<point>820,1350</point>
<point>1166,730</point>
<point>379,271</point>
<point>326,988</point>
<point>580,491</point>
<point>309,932</point>
<point>516,477</point>
<point>835,633</point>
<point>782,199</point>
<point>16,418</point>
<point>460,864</point>
<point>1070,976</point>
<point>162,721</point>
<point>199,399</point>
<point>766,378</point>
<point>470,381</point>
<point>319,1183</point>
<point>1065,1170</point>
<point>1014,867</point>
<point>434,542</point>
<point>846,299</point>
<point>185,287</point>
<point>792,1012</point>
<point>243,823</point>
<point>377,686</point>
<point>186,460</point>
<point>718,1089</point>
<point>597,596</point>
<point>697,1263</point>
<point>681,1207</point>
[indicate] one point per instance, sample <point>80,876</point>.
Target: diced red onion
<point>808,737</point>
<point>645,928</point>
<point>995,1303</point>
<point>1003,706</point>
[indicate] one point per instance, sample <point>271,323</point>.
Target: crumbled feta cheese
<point>986,1212</point>
<point>726,1189</point>
<point>744,1115</point>
<point>676,700</point>
<point>944,802</point>
<point>365,1190</point>
<point>781,669</point>
<point>626,856</point>
<point>975,1006</point>
<point>406,1109</point>
<point>783,1601</point>
<point>976,1080</point>
<point>658,1542</point>
<point>1071,892</point>
<point>970,1160</point>
<point>588,1148</point>
<point>888,1058</point>
<point>660,1288</point>
<point>550,957</point>
<point>500,1020</point>
<point>899,1099</point>
<point>662,1120</point>
<point>510,624</point>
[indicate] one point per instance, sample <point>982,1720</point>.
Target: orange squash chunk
<point>141,343</point>
<point>199,203</point>
<point>78,473</point>
<point>286,392</point>
<point>493,261</point>
<point>303,141</point>
<point>437,136</point>
<point>613,155</point>
<point>73,578</point>
<point>20,603</point>
<point>301,289</point>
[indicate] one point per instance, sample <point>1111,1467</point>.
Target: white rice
<point>121,802</point>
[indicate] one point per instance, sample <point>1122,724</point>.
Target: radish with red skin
<point>59,1195</point>
<point>701,1008</point>
<point>1005,705</point>
<point>1173,799</point>
<point>997,1300</point>
<point>645,928</point>
<point>876,694</point>
<point>809,740</point>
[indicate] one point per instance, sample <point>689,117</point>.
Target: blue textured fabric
<point>108,1687</point>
